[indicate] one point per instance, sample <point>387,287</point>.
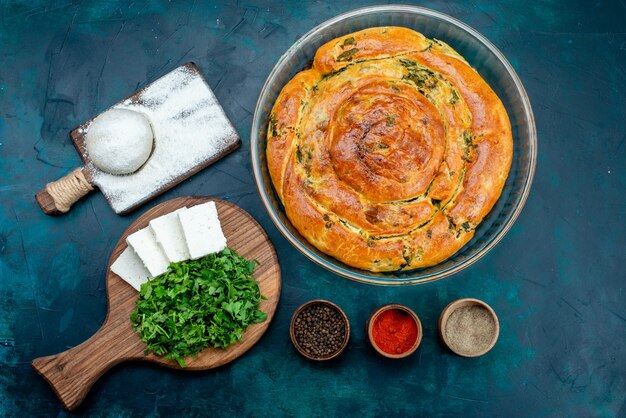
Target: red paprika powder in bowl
<point>394,331</point>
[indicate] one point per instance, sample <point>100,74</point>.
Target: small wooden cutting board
<point>72,373</point>
<point>200,144</point>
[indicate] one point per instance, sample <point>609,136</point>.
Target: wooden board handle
<point>73,372</point>
<point>59,196</point>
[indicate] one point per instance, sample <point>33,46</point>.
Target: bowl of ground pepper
<point>394,331</point>
<point>319,330</point>
<point>469,327</point>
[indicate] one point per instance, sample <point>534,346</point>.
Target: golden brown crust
<point>283,123</point>
<point>389,151</point>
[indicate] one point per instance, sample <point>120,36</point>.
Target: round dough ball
<point>119,141</point>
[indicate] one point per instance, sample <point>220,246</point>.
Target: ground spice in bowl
<point>469,327</point>
<point>394,331</point>
<point>320,330</point>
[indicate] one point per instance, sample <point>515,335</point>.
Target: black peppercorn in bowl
<point>319,330</point>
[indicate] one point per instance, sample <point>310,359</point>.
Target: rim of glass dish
<point>391,281</point>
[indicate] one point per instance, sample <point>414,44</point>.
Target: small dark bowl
<point>370,324</point>
<point>459,303</point>
<point>323,303</point>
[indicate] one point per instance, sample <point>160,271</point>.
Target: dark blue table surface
<point>556,280</point>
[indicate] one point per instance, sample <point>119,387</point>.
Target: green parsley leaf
<point>197,304</point>
<point>348,41</point>
<point>347,55</point>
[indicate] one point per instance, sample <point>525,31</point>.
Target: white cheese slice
<point>145,245</point>
<point>130,268</point>
<point>202,229</point>
<point>169,235</point>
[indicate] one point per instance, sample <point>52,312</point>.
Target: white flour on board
<point>189,127</point>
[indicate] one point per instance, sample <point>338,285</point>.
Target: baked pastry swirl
<point>389,151</point>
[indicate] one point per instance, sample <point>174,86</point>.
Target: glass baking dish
<point>484,57</point>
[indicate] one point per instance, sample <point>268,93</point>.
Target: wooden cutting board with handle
<point>58,196</point>
<point>72,373</point>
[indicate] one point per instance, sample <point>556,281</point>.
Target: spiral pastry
<point>389,151</point>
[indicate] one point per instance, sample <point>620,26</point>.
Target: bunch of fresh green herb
<point>198,303</point>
